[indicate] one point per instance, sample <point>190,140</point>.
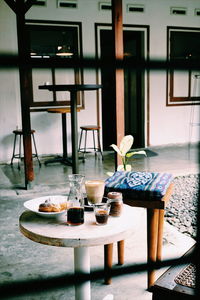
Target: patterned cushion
<point>139,185</point>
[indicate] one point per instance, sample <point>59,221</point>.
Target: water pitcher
<point>75,201</point>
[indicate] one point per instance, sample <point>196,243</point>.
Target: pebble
<point>181,210</point>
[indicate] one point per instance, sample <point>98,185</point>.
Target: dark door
<point>134,89</point>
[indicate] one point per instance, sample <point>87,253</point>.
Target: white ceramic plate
<point>33,205</point>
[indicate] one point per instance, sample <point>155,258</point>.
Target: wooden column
<point>20,8</point>
<point>117,27</point>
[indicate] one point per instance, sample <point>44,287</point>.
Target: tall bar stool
<point>19,133</point>
<point>93,129</point>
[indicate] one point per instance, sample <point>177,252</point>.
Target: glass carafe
<point>75,201</point>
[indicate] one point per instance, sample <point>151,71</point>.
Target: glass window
<point>54,41</point>
<point>183,85</point>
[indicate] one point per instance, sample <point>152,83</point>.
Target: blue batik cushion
<point>139,185</point>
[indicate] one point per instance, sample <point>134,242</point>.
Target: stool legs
<point>152,242</point>
<point>19,155</point>
<point>14,145</point>
<point>155,222</point>
<point>84,149</point>
<point>36,154</point>
<point>94,142</point>
<point>85,145</point>
<point>160,233</point>
<point>79,147</point>
<point>99,144</point>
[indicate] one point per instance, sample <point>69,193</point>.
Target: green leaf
<point>116,149</point>
<point>126,144</point>
<point>135,153</point>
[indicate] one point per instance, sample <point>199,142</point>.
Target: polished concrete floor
<point>22,260</point>
<point>178,160</point>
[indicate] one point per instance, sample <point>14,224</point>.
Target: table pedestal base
<point>82,265</point>
<point>60,159</point>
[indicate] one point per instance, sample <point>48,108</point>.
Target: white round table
<point>55,232</point>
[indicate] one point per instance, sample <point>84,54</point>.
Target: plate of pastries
<point>48,206</point>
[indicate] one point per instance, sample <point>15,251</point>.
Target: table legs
<point>120,251</point>
<point>62,159</point>
<point>74,130</point>
<point>82,265</point>
<point>155,222</point>
<point>64,135</point>
<point>108,259</point>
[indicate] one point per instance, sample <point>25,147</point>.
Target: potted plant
<point>123,150</point>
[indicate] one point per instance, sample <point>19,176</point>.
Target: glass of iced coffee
<point>94,190</point>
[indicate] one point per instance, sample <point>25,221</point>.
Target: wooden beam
<point>11,4</point>
<point>20,7</point>
<point>117,27</point>
<point>26,93</point>
<point>28,4</point>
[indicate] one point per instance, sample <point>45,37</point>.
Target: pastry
<point>63,206</point>
<point>45,207</point>
<point>48,206</point>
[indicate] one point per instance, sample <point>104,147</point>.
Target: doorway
<point>134,88</point>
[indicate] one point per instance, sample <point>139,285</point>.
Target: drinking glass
<point>101,211</point>
<point>95,191</point>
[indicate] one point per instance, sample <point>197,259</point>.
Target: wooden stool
<point>18,156</point>
<point>155,221</point>
<point>85,129</point>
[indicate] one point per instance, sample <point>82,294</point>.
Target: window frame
<point>173,100</point>
<point>36,105</point>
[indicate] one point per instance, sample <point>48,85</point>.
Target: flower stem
<point>124,162</point>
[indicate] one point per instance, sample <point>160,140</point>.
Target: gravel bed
<point>181,211</point>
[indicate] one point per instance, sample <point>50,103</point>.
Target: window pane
<point>195,84</point>
<point>184,45</point>
<point>64,76</point>
<point>181,80</point>
<point>40,77</point>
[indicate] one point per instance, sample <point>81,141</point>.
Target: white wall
<point>167,124</point>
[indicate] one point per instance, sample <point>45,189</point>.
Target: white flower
<point>125,145</point>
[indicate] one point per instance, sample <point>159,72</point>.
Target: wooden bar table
<point>55,232</point>
<point>73,89</point>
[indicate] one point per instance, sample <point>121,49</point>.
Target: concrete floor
<point>22,259</point>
